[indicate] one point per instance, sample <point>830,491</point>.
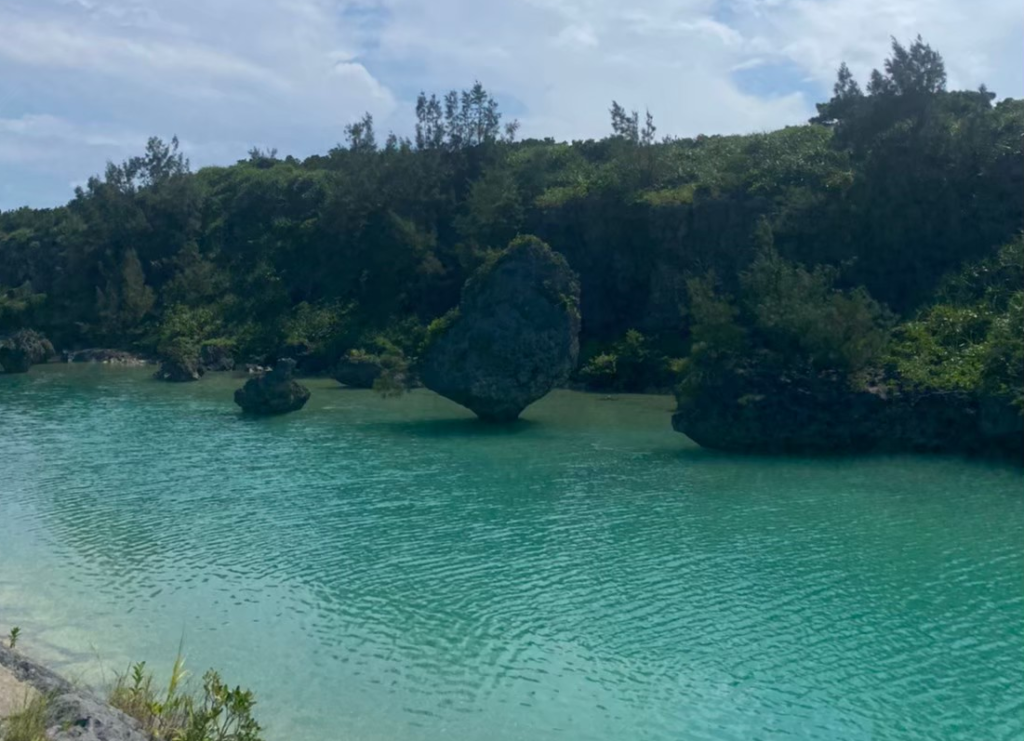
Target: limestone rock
<point>752,410</point>
<point>75,712</point>
<point>358,369</point>
<point>275,392</point>
<point>180,370</point>
<point>514,336</point>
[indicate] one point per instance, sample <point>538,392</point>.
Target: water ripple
<point>396,570</point>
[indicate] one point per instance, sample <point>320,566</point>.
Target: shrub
<point>973,339</point>
<point>601,371</point>
<point>943,348</point>
<point>800,314</point>
<point>28,724</point>
<point>314,325</point>
<point>214,713</point>
<point>633,363</point>
<point>183,331</point>
<point>438,327</point>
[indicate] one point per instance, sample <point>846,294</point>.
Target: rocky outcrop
<point>107,357</point>
<point>36,347</point>
<point>760,411</point>
<point>514,336</point>
<point>23,349</point>
<point>75,713</point>
<point>216,358</point>
<point>275,392</point>
<point>180,370</point>
<point>358,369</point>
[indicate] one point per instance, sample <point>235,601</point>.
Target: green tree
<point>126,301</point>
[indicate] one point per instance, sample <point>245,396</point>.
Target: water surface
<point>395,570</point>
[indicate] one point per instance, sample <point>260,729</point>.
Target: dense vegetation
<point>870,240</point>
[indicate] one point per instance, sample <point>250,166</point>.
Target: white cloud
<point>59,44</point>
<point>46,132</point>
<point>576,35</point>
<point>980,40</point>
<point>99,75</point>
<point>565,61</point>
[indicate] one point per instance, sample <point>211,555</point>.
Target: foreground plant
<point>217,713</point>
<point>12,637</point>
<point>223,714</point>
<point>28,724</point>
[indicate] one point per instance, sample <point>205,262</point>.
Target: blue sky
<point>86,81</point>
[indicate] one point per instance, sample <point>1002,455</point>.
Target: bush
<point>183,331</point>
<point>28,724</point>
<point>1003,361</point>
<point>601,371</point>
<point>944,348</point>
<point>800,314</point>
<point>438,327</point>
<point>214,713</point>
<point>633,363</point>
<point>973,340</point>
<point>315,325</point>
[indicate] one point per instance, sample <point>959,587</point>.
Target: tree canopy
<point>856,220</point>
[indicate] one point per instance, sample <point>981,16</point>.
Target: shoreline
<point>75,712</point>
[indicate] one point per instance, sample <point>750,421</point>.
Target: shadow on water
<point>465,427</point>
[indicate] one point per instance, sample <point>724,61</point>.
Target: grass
<point>173,711</point>
<point>181,713</point>
<point>28,724</point>
<point>160,712</point>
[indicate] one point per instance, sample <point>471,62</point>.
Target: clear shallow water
<point>395,570</point>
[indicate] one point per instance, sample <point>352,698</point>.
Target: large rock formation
<point>754,410</point>
<point>275,392</point>
<point>358,369</point>
<point>514,336</point>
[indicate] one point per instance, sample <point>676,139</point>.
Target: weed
<point>12,637</point>
<point>217,713</point>
<point>28,724</point>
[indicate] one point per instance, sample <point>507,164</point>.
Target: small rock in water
<point>358,369</point>
<point>180,370</point>
<point>275,392</point>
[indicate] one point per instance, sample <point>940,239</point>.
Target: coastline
<point>75,712</point>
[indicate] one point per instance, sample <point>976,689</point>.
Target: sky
<point>83,82</point>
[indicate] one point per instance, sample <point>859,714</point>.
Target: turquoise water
<point>394,570</point>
